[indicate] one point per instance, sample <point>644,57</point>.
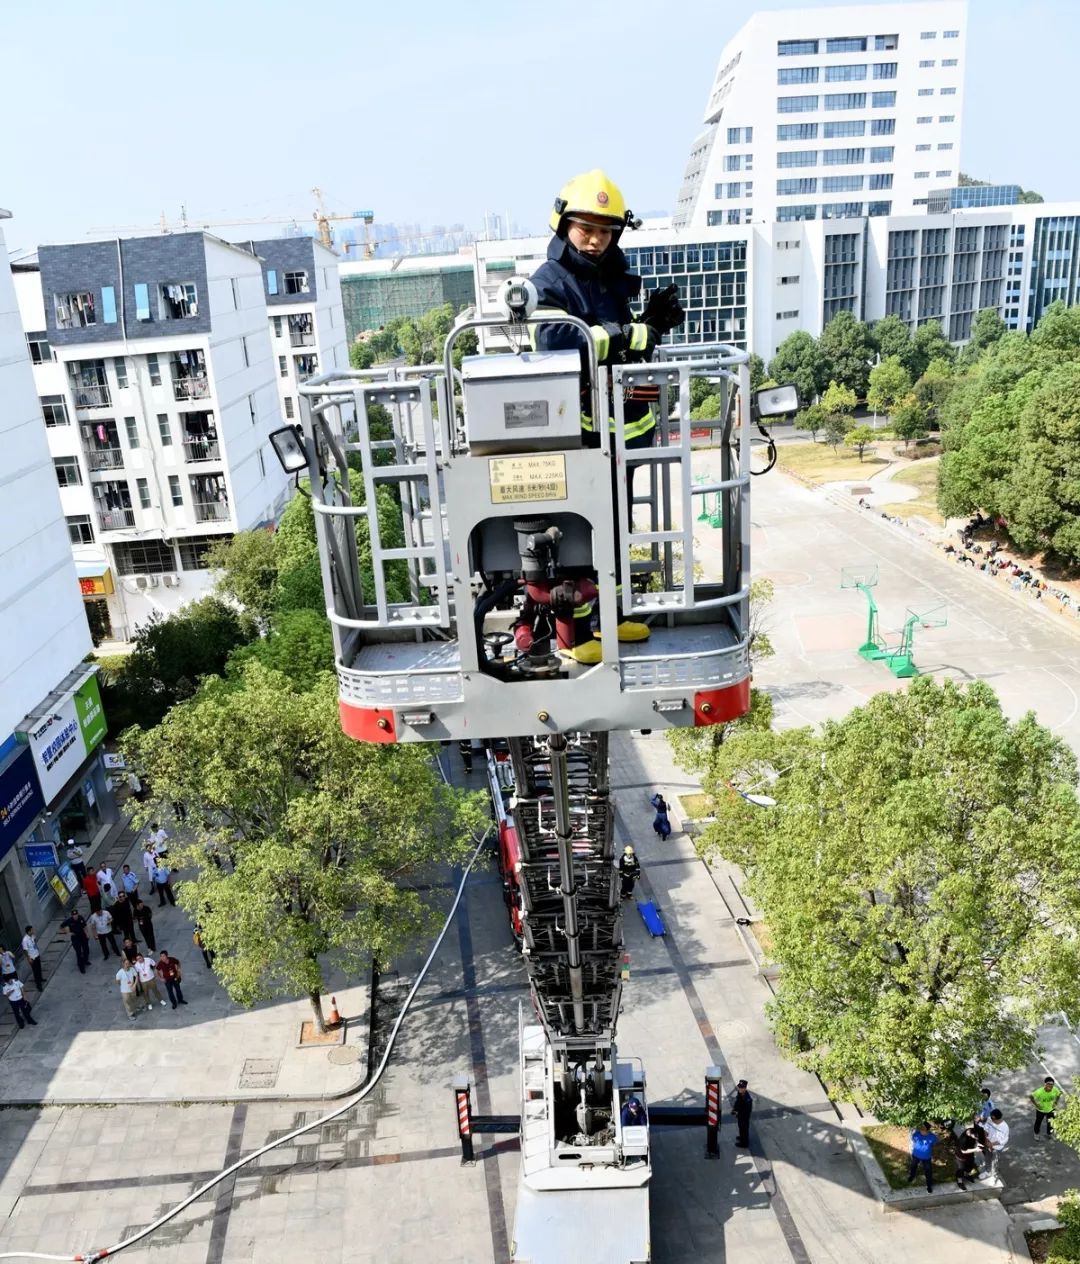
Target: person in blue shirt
<point>923,1140</point>
<point>986,1105</point>
<point>633,1113</point>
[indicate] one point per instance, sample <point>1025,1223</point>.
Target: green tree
<point>859,438</point>
<point>987,328</point>
<point>933,388</point>
<point>700,390</point>
<point>298,644</point>
<point>757,372</point>
<point>811,418</point>
<point>323,831</point>
<point>889,383</point>
<point>909,420</point>
<point>838,399</point>
<point>707,410</point>
<point>836,429</point>
<point>799,360</point>
<point>848,349</point>
<point>361,356</point>
<point>898,976</point>
<point>893,338</point>
<point>928,343</point>
<point>247,566</point>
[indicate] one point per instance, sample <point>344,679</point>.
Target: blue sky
<point>427,112</point>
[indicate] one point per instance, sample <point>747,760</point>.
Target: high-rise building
<point>157,378</point>
<point>52,783</point>
<point>830,113</point>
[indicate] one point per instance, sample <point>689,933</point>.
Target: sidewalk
<point>85,1049</point>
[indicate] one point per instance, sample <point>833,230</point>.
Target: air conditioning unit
<point>171,581</point>
<point>142,581</point>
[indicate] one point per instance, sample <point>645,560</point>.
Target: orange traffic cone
<point>335,1018</point>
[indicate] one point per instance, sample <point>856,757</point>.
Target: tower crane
<point>502,505</point>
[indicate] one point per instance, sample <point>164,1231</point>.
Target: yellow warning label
<point>522,478</point>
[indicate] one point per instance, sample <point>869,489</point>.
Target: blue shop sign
<point>20,798</point>
<point>40,855</point>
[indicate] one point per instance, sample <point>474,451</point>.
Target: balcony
<point>211,511</point>
<point>301,339</point>
<point>91,396</point>
<point>105,458</point>
<point>191,388</point>
<point>201,450</point>
<point>115,519</point>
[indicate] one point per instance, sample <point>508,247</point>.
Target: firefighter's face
<point>591,234</point>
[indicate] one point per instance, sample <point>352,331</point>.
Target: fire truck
<point>508,521</point>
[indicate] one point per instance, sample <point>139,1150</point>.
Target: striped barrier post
<point>464,1118</point>
<point>712,1112</point>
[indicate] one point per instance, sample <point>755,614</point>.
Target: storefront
<point>96,586</point>
<point>21,805</point>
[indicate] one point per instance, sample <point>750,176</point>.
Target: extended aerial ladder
<point>507,518</point>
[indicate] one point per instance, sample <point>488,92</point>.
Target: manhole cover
<point>259,1073</point>
<point>344,1055</point>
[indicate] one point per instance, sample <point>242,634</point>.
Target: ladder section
<point>572,916</point>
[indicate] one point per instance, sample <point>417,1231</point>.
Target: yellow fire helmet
<point>593,194</point>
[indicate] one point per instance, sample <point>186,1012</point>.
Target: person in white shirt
<point>149,861</point>
<point>127,977</point>
<point>20,1007</point>
<point>997,1138</point>
<point>160,838</point>
<point>147,972</point>
<point>105,877</point>
<point>29,946</point>
<point>101,927</point>
<point>7,965</point>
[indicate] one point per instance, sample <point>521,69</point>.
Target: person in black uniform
<point>629,871</point>
<point>741,1107</point>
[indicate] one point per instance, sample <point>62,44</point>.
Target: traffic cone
<point>335,1018</point>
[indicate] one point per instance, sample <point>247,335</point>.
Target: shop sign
<point>58,747</point>
<point>69,877</point>
<point>91,716</point>
<point>40,855</point>
<point>97,585</point>
<point>88,791</point>
<point>21,801</point>
<point>62,893</point>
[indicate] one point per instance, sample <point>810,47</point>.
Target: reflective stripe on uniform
<point>639,337</point>
<point>583,611</point>
<point>631,429</point>
<point>602,339</point>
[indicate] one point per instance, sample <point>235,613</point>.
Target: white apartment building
<point>302,292</point>
<point>830,113</point>
<point>52,785</point>
<point>753,285</point>
<point>157,378</point>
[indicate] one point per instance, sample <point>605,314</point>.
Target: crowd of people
<point>117,913</point>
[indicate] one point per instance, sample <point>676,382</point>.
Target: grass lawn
<point>891,1145</point>
<point>820,464</point>
<point>696,806</point>
<point>763,935</point>
<point>922,475</point>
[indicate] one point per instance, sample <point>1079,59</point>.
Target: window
<point>879,208</point>
<point>945,145</point>
<point>279,328</point>
<point>922,175</point>
<point>943,175</point>
<point>177,301</point>
<point>244,352</point>
<point>807,184</point>
<point>883,153</point>
<point>796,105</point>
<point>262,463</point>
<point>175,491</point>
<point>792,315</point>
<point>735,136</point>
<point>732,162</point>
<point>80,529</point>
<point>846,101</point>
<point>883,100</point>
<point>948,92</point>
<point>142,301</point>
<point>928,35</point>
<point>132,429</point>
<point>951,35</point>
<point>143,488</point>
<point>784,76</point>
<point>881,180</point>
<point>882,127</point>
<point>155,369</point>
<point>843,74</point>
<point>841,157</point>
<point>54,410</point>
<point>797,158</point>
<point>921,149</point>
<point>841,210</point>
<point>74,311</point>
<point>120,367</point>
<point>785,214</point>
<point>787,280</point>
<point>108,305</point>
<point>296,283</point>
<point>886,43</point>
<point>289,414</point>
<point>787,245</point>
<point>796,131</point>
<point>735,188</point>
<point>194,548</point>
<point>950,61</point>
<point>796,48</point>
<point>235,286</point>
<point>842,184</point>
<point>67,471</point>
<point>926,92</point>
<point>38,345</point>
<point>251,409</point>
<point>885,70</point>
<point>164,430</point>
<point>846,44</point>
<point>946,118</point>
<point>283,364</point>
<point>271,281</point>
<point>143,557</point>
<point>925,118</point>
<point>926,65</point>
<point>846,127</point>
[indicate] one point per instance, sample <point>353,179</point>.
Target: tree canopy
<point>848,350</point>
<point>920,877</point>
<point>799,360</point>
<point>889,383</point>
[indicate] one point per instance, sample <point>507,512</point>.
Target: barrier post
<point>713,1076</point>
<point>464,1118</point>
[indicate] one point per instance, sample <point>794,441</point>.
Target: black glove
<point>663,310</point>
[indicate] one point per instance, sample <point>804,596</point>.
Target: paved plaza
<point>384,1182</point>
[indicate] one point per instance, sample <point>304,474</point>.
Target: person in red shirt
<point>93,891</point>
<point>168,969</point>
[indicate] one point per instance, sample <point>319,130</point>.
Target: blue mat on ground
<point>650,915</point>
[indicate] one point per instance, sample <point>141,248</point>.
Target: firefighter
<point>629,871</point>
<point>586,275</point>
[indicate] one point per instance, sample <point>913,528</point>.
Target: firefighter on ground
<point>629,871</point>
<point>586,275</point>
